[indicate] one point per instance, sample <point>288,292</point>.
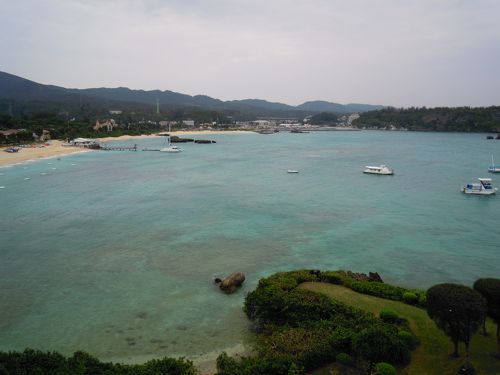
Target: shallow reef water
<point>114,252</point>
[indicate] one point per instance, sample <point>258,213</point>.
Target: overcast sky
<point>391,52</point>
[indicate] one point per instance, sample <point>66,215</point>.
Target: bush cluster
<point>389,316</point>
<point>301,330</point>
<point>38,362</point>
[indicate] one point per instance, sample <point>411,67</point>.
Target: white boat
<point>169,147</point>
<point>381,169</point>
<point>292,171</point>
<point>482,188</point>
<point>492,168</point>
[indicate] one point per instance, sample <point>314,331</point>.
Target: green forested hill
<point>460,119</point>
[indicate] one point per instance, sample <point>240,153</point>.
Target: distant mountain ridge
<point>20,89</point>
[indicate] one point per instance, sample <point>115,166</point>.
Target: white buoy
<point>2,187</point>
<point>27,178</point>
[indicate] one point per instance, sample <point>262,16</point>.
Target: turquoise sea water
<point>114,252</point>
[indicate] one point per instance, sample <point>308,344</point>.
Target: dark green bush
<point>422,300</point>
<point>378,289</point>
<point>344,359</point>
<point>410,298</point>
<point>333,277</point>
<point>381,343</point>
<point>389,316</point>
<point>383,368</point>
<point>38,362</point>
<point>408,339</point>
<point>256,366</point>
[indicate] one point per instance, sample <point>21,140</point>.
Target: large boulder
<point>232,282</point>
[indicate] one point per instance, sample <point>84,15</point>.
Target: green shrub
<point>408,339</point>
<point>344,359</point>
<point>383,368</point>
<point>332,277</point>
<point>380,343</point>
<point>378,289</point>
<point>422,300</point>
<point>410,298</point>
<point>389,316</point>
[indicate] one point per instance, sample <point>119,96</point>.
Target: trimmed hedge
<point>388,291</point>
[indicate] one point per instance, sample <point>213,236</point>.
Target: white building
<point>188,122</point>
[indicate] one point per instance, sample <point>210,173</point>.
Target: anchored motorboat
<point>482,188</point>
<point>292,171</point>
<point>381,169</point>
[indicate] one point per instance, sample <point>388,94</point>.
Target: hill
<point>322,106</point>
<point>26,92</point>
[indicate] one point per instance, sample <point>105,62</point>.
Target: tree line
<point>460,119</point>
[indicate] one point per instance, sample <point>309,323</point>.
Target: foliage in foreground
<point>490,290</point>
<point>457,310</point>
<point>300,329</point>
<point>35,362</point>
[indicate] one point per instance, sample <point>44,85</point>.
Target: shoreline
<point>55,147</point>
<point>177,133</point>
<point>29,154</point>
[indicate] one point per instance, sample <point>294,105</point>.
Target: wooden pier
<point>119,148</point>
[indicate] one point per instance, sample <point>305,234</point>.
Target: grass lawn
<point>432,355</point>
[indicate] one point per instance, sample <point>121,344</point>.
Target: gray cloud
<point>394,52</point>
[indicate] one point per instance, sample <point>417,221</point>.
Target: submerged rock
<point>232,282</point>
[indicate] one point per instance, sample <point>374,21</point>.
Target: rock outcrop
<point>372,276</point>
<point>232,282</point>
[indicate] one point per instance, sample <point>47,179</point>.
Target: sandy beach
<point>180,133</point>
<point>54,148</point>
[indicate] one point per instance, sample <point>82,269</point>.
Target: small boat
<point>482,188</point>
<point>169,147</point>
<point>490,137</point>
<point>27,178</point>
<point>493,168</point>
<point>381,169</point>
<point>292,171</point>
